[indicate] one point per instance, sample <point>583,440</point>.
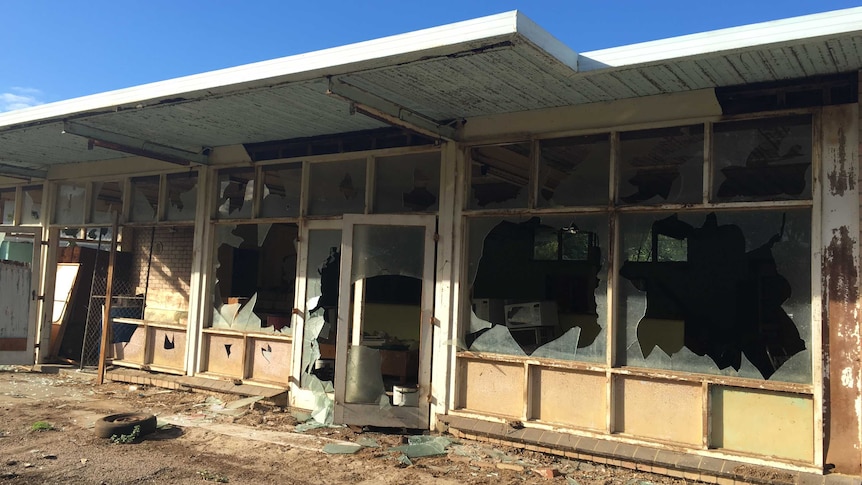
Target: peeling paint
<point>841,276</point>
<point>847,377</point>
<point>840,177</point>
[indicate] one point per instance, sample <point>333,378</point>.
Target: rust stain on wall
<point>840,278</point>
<point>840,178</point>
<point>840,284</point>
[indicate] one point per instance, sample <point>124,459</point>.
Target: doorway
<point>19,287</point>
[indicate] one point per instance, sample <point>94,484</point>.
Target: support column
<point>842,347</point>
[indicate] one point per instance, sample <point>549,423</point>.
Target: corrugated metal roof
<point>498,64</point>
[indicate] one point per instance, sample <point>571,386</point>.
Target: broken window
<point>7,206</point>
<point>321,293</point>
<point>662,165</point>
<point>31,207</point>
<point>407,183</point>
<point>574,171</point>
<point>732,297</point>
<point>385,322</point>
<point>145,198</point>
<point>282,186</point>
<point>69,205</point>
<point>256,275</point>
<point>500,176</point>
<point>235,193</point>
<point>337,188</point>
<point>182,196</point>
<point>107,201</point>
<point>762,159</point>
<point>539,286</point>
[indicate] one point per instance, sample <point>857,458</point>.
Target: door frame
<point>374,414</point>
<point>28,356</point>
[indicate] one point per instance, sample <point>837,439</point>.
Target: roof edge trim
<point>746,36</point>
<point>445,38</point>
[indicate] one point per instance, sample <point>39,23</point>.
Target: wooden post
<point>106,315</point>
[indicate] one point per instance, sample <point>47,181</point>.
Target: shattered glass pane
<point>321,292</point>
<point>737,302</point>
<point>235,193</point>
<point>7,206</point>
<point>565,347</point>
<point>407,183</point>
<point>662,165</point>
<point>574,171</point>
<point>364,381</point>
<point>387,251</point>
<point>107,201</point>
<point>282,185</point>
<point>500,176</point>
<point>497,340</point>
<point>145,198</point>
<point>31,210</point>
<point>337,188</point>
<point>255,277</point>
<point>69,205</point>
<point>763,159</point>
<point>539,283</point>
<point>182,196</point>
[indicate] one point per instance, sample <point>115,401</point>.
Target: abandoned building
<point>626,254</point>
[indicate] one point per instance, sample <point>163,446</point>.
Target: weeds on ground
<point>213,477</point>
<point>41,426</point>
<point>124,439</point>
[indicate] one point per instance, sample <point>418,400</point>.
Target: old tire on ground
<point>124,424</point>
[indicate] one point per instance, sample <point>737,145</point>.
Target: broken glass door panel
<point>541,283</point>
<point>763,159</point>
<point>734,299</point>
<point>182,196</point>
<point>107,201</point>
<point>145,198</point>
<point>69,205</point>
<point>31,207</point>
<point>282,186</point>
<point>7,206</point>
<point>235,193</point>
<point>500,176</point>
<point>337,188</point>
<point>574,171</point>
<point>407,183</point>
<point>661,166</point>
<point>385,320</point>
<point>255,277</point>
<point>321,293</point>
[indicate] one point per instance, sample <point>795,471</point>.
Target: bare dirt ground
<point>258,444</point>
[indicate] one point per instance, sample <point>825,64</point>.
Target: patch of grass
<point>125,439</point>
<point>213,477</point>
<point>41,426</point>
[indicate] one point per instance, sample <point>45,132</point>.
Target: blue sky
<point>55,50</point>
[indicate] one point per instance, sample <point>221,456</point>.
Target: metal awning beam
<point>389,112</point>
<point>134,146</point>
<point>7,170</point>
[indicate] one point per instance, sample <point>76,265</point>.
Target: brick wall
<point>169,270</point>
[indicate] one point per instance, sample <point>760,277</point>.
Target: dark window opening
<point>662,166</point>
<point>790,94</point>
<point>720,299</point>
<point>539,282</point>
<point>763,159</point>
<point>341,143</point>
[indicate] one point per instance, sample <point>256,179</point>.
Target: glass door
<point>19,285</point>
<point>384,321</point>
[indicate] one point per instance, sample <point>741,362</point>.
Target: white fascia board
<point>542,39</point>
<point>747,36</point>
<point>398,48</point>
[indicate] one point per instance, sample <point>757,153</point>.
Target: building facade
<point>653,246</point>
